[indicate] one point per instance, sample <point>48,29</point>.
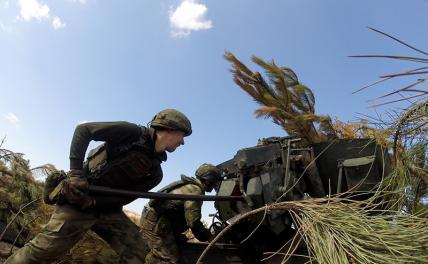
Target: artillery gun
<point>281,169</point>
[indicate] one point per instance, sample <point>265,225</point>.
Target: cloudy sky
<point>63,62</point>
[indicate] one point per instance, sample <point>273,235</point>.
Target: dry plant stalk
<point>283,98</point>
<point>410,91</point>
<point>337,230</point>
<point>340,230</point>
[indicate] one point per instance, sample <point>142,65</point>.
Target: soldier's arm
<point>114,132</point>
<point>192,213</point>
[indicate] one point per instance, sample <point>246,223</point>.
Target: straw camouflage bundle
<point>389,227</point>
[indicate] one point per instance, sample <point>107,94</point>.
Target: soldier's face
<point>210,186</point>
<point>173,140</point>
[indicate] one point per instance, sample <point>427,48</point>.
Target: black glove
<point>75,190</point>
<point>200,232</point>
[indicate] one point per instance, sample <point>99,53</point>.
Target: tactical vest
<point>162,206</point>
<point>110,164</point>
<point>166,189</point>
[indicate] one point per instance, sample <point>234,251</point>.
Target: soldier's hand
<point>76,180</point>
<point>77,197</point>
<point>85,201</point>
<point>75,190</point>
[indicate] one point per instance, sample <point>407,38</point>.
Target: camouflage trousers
<point>67,225</point>
<point>160,237</point>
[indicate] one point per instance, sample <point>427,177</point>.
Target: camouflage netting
<point>19,197</point>
<point>23,212</point>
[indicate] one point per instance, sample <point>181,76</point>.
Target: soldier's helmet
<point>172,119</point>
<point>208,172</point>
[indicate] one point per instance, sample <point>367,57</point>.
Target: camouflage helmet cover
<point>208,172</point>
<point>172,119</point>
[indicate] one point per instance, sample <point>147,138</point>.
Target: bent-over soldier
<point>129,159</point>
<point>164,221</point>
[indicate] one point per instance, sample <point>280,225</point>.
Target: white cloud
<point>31,9</point>
<point>11,117</point>
<point>35,10</point>
<point>188,17</point>
<point>57,23</point>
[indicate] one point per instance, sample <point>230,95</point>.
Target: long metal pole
<point>161,196</point>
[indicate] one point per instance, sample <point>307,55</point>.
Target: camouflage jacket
<point>116,135</point>
<point>184,214</point>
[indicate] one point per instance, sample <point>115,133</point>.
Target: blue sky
<point>68,61</point>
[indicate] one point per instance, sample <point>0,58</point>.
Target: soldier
<point>129,159</point>
<point>163,222</point>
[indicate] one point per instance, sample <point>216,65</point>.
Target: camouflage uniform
<point>69,223</point>
<point>163,222</point>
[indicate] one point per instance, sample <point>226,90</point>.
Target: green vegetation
<point>388,227</point>
<point>22,208</point>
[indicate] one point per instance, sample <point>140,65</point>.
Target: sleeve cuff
<point>76,164</point>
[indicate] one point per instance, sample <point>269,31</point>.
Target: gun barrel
<point>160,195</point>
